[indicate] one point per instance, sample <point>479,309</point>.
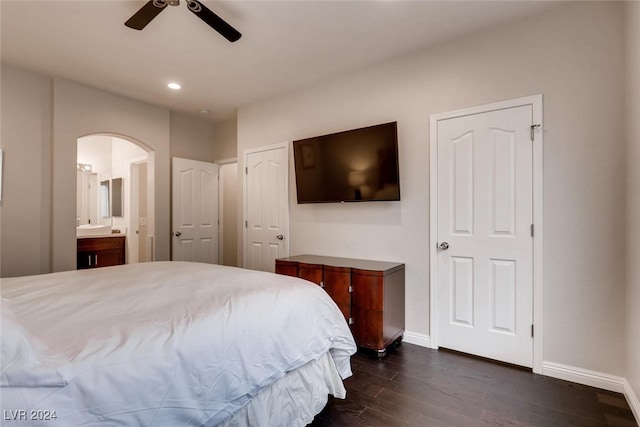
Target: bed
<point>169,344</point>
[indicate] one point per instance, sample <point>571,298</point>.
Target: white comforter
<point>164,343</point>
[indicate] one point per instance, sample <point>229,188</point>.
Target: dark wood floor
<point>415,386</point>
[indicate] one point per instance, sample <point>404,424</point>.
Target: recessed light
<point>204,111</point>
<point>174,86</point>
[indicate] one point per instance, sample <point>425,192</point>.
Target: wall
<point>97,151</point>
<point>229,213</point>
<point>226,137</point>
<point>26,192</point>
<point>632,14</point>
<point>124,153</point>
<point>192,138</point>
<point>565,54</point>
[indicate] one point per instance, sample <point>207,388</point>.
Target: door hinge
<point>533,130</point>
<point>246,171</point>
<point>531,331</point>
<point>246,224</point>
<point>351,320</point>
<point>531,230</point>
<point>350,289</point>
<point>322,285</point>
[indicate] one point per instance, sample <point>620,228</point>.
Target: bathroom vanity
<point>95,252</point>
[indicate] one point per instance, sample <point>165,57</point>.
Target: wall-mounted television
<point>351,166</point>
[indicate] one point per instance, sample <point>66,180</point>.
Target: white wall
<point>124,153</point>
<point>192,138</point>
<point>26,193</point>
<point>229,213</point>
<point>573,55</point>
<point>97,151</point>
<point>632,14</point>
<point>226,136</point>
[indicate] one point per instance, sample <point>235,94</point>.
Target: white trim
<point>417,339</point>
<point>536,102</point>
<point>245,216</point>
<point>632,400</point>
<point>1,162</point>
<point>584,376</point>
<point>538,253</point>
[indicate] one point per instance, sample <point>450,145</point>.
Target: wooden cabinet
<point>95,252</point>
<point>370,294</point>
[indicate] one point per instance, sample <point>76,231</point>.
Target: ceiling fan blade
<point>146,13</point>
<point>213,20</point>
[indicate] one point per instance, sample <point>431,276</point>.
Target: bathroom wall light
<point>174,86</point>
<point>84,167</point>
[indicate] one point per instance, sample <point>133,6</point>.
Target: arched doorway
<point>115,191</point>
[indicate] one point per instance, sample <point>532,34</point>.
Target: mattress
<point>163,343</point>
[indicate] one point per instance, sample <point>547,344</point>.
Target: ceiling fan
<point>153,7</point>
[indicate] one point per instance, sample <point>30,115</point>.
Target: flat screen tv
<point>351,166</point>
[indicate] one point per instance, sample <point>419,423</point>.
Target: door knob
<point>280,237</point>
<point>444,246</point>
<point>178,233</point>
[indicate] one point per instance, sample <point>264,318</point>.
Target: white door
<point>267,207</point>
<point>484,234</point>
<point>195,211</point>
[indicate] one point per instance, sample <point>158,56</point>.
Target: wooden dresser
<point>370,294</point>
<point>95,252</point>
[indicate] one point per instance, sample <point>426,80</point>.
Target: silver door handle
<point>444,246</point>
<point>178,233</point>
<point>280,237</point>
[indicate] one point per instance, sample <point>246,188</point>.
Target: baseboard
<point>584,376</point>
<point>417,339</point>
<point>632,400</point>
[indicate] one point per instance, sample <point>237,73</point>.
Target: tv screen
<point>351,166</point>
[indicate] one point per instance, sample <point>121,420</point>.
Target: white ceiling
<point>285,44</point>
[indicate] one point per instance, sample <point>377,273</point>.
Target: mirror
<point>105,212</point>
<point>87,203</point>
<point>117,199</point>
<point>111,198</point>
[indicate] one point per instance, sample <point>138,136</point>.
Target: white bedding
<point>164,343</point>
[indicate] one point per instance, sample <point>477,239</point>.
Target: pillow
<point>20,364</point>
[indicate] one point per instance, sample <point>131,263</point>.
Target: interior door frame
<point>245,193</point>
<point>535,101</point>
